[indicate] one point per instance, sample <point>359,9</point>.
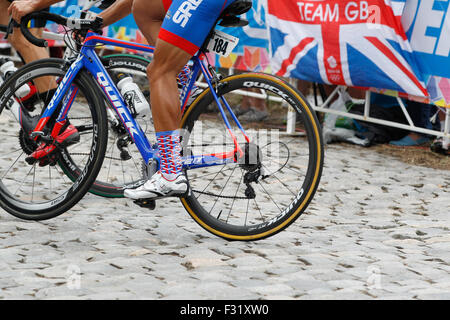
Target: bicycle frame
<point>89,60</point>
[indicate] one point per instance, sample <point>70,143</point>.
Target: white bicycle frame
<point>324,107</point>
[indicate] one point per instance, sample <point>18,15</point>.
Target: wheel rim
<point>31,187</point>
<point>272,205</point>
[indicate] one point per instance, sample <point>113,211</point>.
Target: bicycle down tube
<point>89,59</point>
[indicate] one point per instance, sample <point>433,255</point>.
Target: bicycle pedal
<point>31,160</point>
<point>35,134</point>
<point>146,203</point>
<point>42,136</point>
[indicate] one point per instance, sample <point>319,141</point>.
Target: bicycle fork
<point>65,86</point>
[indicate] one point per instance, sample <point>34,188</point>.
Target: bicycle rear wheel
<point>42,190</point>
<point>267,190</point>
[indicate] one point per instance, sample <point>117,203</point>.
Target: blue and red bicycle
<point>248,180</point>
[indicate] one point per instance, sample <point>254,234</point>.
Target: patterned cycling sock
<point>183,76</point>
<point>183,81</point>
<point>170,154</point>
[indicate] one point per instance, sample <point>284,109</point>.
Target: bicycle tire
<point>266,228</point>
<point>48,209</point>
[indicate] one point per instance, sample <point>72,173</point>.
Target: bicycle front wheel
<point>268,188</point>
<point>42,190</point>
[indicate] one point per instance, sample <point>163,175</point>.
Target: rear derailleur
<point>251,177</point>
<point>251,161</point>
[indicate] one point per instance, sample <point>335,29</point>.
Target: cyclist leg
<point>162,74</point>
<point>184,28</point>
<point>149,16</point>
<point>26,50</point>
<point>30,53</point>
<point>4,17</point>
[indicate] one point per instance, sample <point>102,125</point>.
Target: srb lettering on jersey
<point>183,13</point>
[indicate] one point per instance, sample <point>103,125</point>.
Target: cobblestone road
<point>377,229</point>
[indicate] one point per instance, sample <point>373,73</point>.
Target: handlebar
<point>72,23</point>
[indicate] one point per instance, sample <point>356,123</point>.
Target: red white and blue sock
<point>170,154</point>
<point>183,80</point>
<point>183,76</point>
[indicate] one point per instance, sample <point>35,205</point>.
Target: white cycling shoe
<point>159,187</point>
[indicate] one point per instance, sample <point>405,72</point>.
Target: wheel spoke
<point>221,191</point>
<point>237,190</point>
<point>25,178</point>
<point>282,183</point>
<point>4,175</point>
<point>200,193</point>
<point>38,189</point>
<point>268,194</point>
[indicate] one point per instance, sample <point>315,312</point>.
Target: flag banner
<point>343,42</point>
<point>395,47</point>
<point>427,26</point>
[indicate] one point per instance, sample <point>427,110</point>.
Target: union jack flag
<point>343,42</point>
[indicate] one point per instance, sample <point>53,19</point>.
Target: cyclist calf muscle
<point>162,72</point>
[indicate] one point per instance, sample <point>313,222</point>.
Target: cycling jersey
<point>188,22</point>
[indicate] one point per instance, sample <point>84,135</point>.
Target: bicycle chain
<point>250,176</point>
<point>218,196</point>
<point>80,118</point>
<point>86,154</point>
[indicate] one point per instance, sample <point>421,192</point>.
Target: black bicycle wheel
<point>122,167</point>
<point>42,190</point>
<point>271,186</point>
